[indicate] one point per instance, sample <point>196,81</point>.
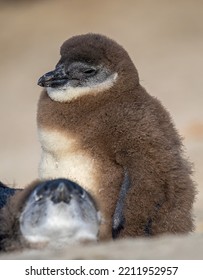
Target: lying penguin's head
<point>59,212</point>
<point>89,63</point>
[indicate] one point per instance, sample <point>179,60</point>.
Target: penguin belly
<point>63,157</point>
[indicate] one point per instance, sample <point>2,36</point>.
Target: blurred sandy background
<point>163,37</point>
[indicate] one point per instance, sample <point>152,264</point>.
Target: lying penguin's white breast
<point>62,156</point>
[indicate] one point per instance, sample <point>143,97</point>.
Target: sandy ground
<point>164,39</point>
<point>183,248</point>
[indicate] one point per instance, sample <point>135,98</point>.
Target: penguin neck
<point>78,111</point>
<point>69,93</point>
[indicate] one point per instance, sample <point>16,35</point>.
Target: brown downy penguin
<point>50,214</point>
<point>99,127</point>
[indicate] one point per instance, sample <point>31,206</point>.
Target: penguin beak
<point>61,194</point>
<point>54,79</point>
<point>55,190</point>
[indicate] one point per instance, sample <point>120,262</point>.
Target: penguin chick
<point>50,214</point>
<point>99,127</point>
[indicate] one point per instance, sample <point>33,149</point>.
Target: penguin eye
<point>90,71</point>
<point>38,197</point>
<point>82,194</point>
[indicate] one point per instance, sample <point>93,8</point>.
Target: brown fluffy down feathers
<point>125,127</point>
<point>10,235</point>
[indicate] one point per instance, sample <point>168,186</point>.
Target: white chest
<point>63,156</point>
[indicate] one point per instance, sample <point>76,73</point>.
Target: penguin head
<point>57,213</point>
<point>89,64</point>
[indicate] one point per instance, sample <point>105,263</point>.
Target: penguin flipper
<point>118,217</point>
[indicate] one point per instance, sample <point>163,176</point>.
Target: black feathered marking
<point>118,217</point>
<point>5,193</point>
<point>148,228</point>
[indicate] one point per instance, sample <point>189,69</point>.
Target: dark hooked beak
<point>59,190</point>
<point>61,194</point>
<point>54,79</point>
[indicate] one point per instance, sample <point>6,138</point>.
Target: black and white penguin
<point>51,214</point>
<point>99,127</point>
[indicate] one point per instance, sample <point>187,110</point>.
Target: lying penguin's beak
<point>54,79</point>
<point>61,193</point>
